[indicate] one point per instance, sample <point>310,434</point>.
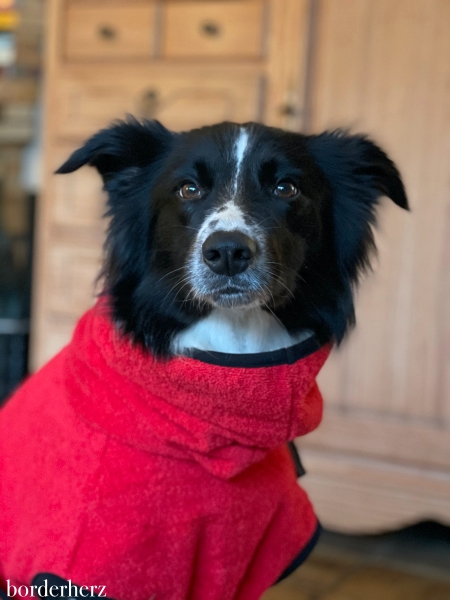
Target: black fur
<point>321,240</point>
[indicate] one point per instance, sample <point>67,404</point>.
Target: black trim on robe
<point>283,356</point>
<point>303,555</point>
<point>299,468</point>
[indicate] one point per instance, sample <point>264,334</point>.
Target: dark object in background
<point>14,333</point>
<point>422,548</point>
<point>15,296</point>
<point>13,354</point>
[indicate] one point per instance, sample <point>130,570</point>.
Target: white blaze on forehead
<point>240,148</point>
<point>230,216</point>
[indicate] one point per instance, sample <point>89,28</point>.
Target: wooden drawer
<point>104,30</point>
<point>77,199</point>
<point>72,271</point>
<point>226,28</point>
<point>181,100</point>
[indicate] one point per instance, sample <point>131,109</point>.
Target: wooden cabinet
<point>382,455</point>
<point>381,458</point>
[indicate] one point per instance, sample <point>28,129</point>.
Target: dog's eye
<point>189,191</point>
<point>285,189</point>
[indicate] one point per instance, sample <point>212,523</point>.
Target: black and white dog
<point>236,238</point>
<point>171,478</point>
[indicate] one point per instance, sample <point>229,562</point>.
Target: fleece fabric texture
<point>156,479</point>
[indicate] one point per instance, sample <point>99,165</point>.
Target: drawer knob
<point>210,28</point>
<point>287,110</point>
<point>107,32</point>
<point>149,103</point>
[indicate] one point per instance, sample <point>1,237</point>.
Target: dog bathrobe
<point>171,480</point>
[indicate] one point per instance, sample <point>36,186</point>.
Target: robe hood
<point>223,411</point>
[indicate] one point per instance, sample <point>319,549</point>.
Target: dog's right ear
<point>125,144</point>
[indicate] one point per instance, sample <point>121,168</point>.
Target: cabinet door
<point>181,99</point>
<point>382,455</point>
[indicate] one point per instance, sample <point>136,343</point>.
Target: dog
<point>149,457</point>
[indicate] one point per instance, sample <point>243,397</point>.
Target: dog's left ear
<point>125,144</point>
<point>358,173</point>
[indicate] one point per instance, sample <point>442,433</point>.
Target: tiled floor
<point>410,565</point>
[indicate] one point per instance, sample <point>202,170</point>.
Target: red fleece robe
<point>156,479</point>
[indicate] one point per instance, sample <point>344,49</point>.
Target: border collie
<point>236,238</point>
<point>231,257</point>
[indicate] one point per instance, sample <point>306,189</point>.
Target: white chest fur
<point>237,331</point>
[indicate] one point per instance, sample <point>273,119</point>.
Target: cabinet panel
<point>99,30</point>
<point>77,199</point>
<point>72,271</point>
<point>224,29</point>
<point>393,83</point>
<point>397,441</point>
<point>369,496</point>
<point>181,100</point>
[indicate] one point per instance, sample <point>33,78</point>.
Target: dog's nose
<point>228,252</point>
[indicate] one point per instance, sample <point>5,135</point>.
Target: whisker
<point>186,279</point>
<point>167,274</point>
<point>192,228</point>
<point>271,311</point>
<point>279,280</point>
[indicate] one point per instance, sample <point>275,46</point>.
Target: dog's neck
<point>237,331</point>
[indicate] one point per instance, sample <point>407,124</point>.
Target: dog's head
<point>235,215</point>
